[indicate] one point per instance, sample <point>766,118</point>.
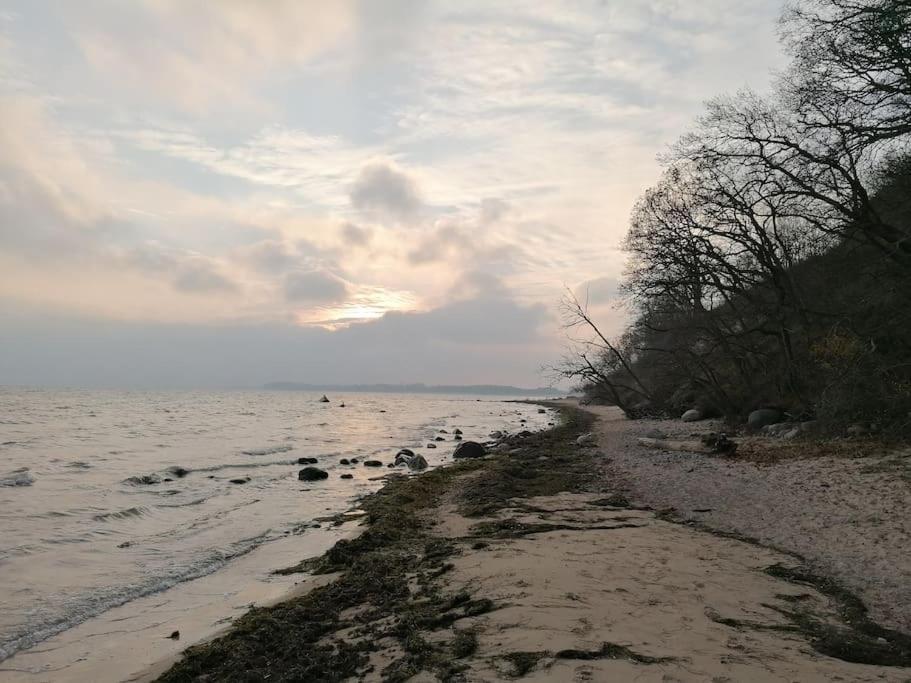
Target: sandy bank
<point>849,516</point>
<point>530,565</point>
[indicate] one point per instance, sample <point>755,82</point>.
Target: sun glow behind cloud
<point>369,303</point>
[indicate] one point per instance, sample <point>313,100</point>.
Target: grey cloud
<point>188,272</point>
<point>314,287</point>
<point>354,235</point>
<point>444,242</point>
<point>383,192</point>
<point>270,256</point>
<point>492,210</point>
<point>490,340</point>
<point>201,276</point>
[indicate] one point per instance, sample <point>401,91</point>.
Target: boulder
<point>312,474</point>
<point>457,437</point>
<point>469,449</point>
<point>417,463</point>
<point>438,438</point>
<point>457,431</point>
<point>762,417</point>
<point>354,461</point>
<point>347,476</point>
<point>143,480</point>
<point>344,461</point>
<point>307,461</point>
<point>586,440</point>
<point>372,463</point>
<point>431,445</point>
<point>779,429</point>
<point>324,399</point>
<point>692,415</point>
<point>403,456</point>
<point>21,477</point>
<point>443,431</point>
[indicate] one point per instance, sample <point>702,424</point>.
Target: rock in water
<point>20,477</point>
<point>586,440</point>
<point>307,461</point>
<point>178,471</point>
<point>469,449</point>
<point>312,474</point>
<point>692,415</point>
<point>438,438</point>
<point>347,476</point>
<point>541,411</point>
<point>372,463</point>
<point>458,432</point>
<point>344,461</point>
<point>324,399</point>
<point>762,417</point>
<point>243,480</point>
<point>431,445</point>
<point>496,435</point>
<point>417,463</point>
<point>143,480</point>
<point>403,456</point>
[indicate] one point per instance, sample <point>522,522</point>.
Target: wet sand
<point>132,643</point>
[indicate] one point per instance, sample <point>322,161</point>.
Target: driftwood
<point>710,444</point>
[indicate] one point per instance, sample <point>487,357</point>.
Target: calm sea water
<point>82,534</point>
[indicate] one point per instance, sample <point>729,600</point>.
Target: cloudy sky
<point>199,193</point>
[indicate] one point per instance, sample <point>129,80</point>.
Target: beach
<point>549,562</point>
<point>134,515</point>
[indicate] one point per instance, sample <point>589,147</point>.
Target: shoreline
<point>453,579</point>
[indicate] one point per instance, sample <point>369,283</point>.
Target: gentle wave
<point>121,514</point>
<point>268,450</point>
<point>83,607</point>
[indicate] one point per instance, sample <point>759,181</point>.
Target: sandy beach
<point>543,563</point>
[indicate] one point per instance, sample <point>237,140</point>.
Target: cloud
<point>443,242</point>
<point>196,56</point>
<point>187,271</point>
<point>314,287</point>
<point>384,192</point>
<point>492,340</point>
<point>355,235</point>
<point>201,276</point>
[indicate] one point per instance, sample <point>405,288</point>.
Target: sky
<point>223,194</point>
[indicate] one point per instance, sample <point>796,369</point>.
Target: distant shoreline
<point>473,389</point>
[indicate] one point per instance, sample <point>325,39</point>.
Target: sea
<point>109,497</point>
